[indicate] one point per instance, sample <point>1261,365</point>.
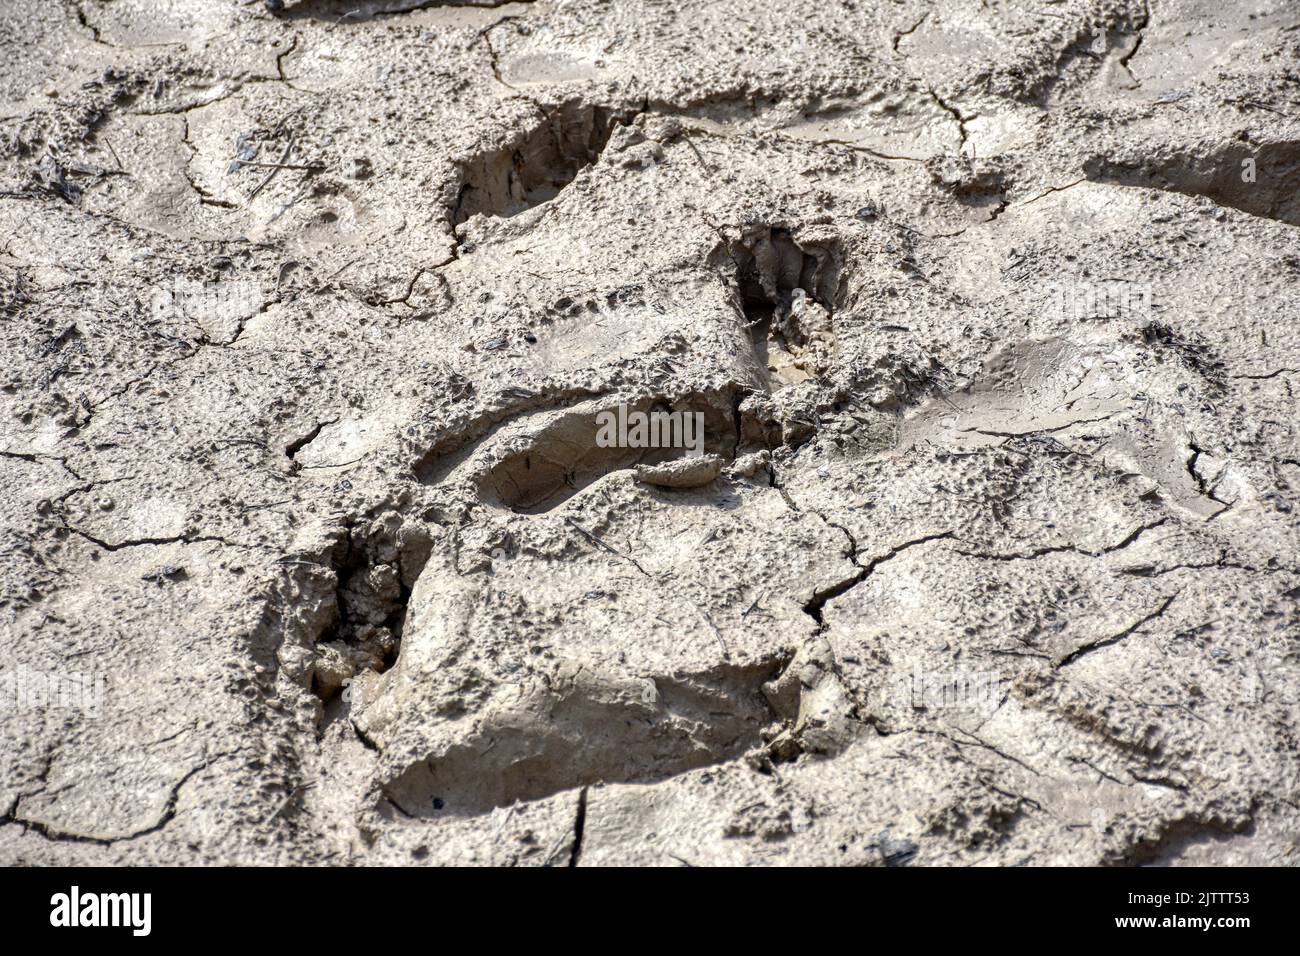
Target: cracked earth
<point>310,311</point>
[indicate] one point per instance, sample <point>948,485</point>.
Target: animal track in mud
<point>771,263</point>
<point>570,732</point>
<point>582,730</point>
<point>1271,189</point>
<point>787,290</point>
<point>534,164</point>
<point>342,611</point>
<point>565,457</point>
<point>536,464</point>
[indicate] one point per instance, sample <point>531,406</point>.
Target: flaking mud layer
<point>313,550</point>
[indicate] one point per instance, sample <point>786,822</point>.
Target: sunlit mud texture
<point>620,431</point>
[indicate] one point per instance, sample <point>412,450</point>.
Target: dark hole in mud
<point>372,588</point>
<point>1263,181</point>
<point>777,278</point>
<point>1196,356</point>
<point>771,265</point>
<point>535,164</point>
<point>758,319</point>
<point>368,635</point>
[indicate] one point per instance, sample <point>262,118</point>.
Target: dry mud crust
<point>990,556</point>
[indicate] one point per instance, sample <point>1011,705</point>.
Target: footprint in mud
<point>535,463</point>
<point>582,728</point>
<point>1102,394</point>
<point>456,741</point>
<point>1030,388</point>
<point>536,728</point>
<point>1263,180</point>
<point>787,289</point>
<point>536,163</point>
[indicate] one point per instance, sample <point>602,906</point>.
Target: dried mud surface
<point>364,588</point>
